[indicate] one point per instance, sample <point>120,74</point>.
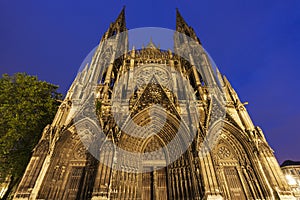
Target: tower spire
<point>120,21</point>
<point>183,27</point>
<point>179,20</point>
<point>93,149</point>
<point>118,26</point>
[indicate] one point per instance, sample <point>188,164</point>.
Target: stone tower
<point>140,99</point>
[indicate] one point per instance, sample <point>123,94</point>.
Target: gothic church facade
<point>240,165</point>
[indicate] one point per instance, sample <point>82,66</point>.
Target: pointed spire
<point>120,21</point>
<point>151,45</point>
<point>183,27</point>
<point>179,20</point>
<point>133,51</point>
<point>118,26</point>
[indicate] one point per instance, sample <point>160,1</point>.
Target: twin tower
<point>147,123</point>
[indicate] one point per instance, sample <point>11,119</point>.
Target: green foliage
<point>27,105</point>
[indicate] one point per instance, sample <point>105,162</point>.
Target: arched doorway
<point>155,176</point>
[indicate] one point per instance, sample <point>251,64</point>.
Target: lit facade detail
<point>239,166</point>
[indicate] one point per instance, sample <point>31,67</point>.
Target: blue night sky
<point>256,44</point>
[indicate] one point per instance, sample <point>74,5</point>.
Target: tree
<point>27,105</point>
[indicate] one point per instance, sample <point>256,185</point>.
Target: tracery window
<point>75,180</point>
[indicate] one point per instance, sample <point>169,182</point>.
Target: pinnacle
<point>151,45</point>
<point>183,27</point>
<point>121,19</point>
<point>122,14</point>
<point>180,22</point>
<point>178,15</point>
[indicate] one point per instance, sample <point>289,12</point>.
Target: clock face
<point>224,152</point>
<point>146,73</point>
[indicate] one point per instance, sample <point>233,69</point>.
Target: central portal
<point>155,184</point>
<point>155,176</point>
